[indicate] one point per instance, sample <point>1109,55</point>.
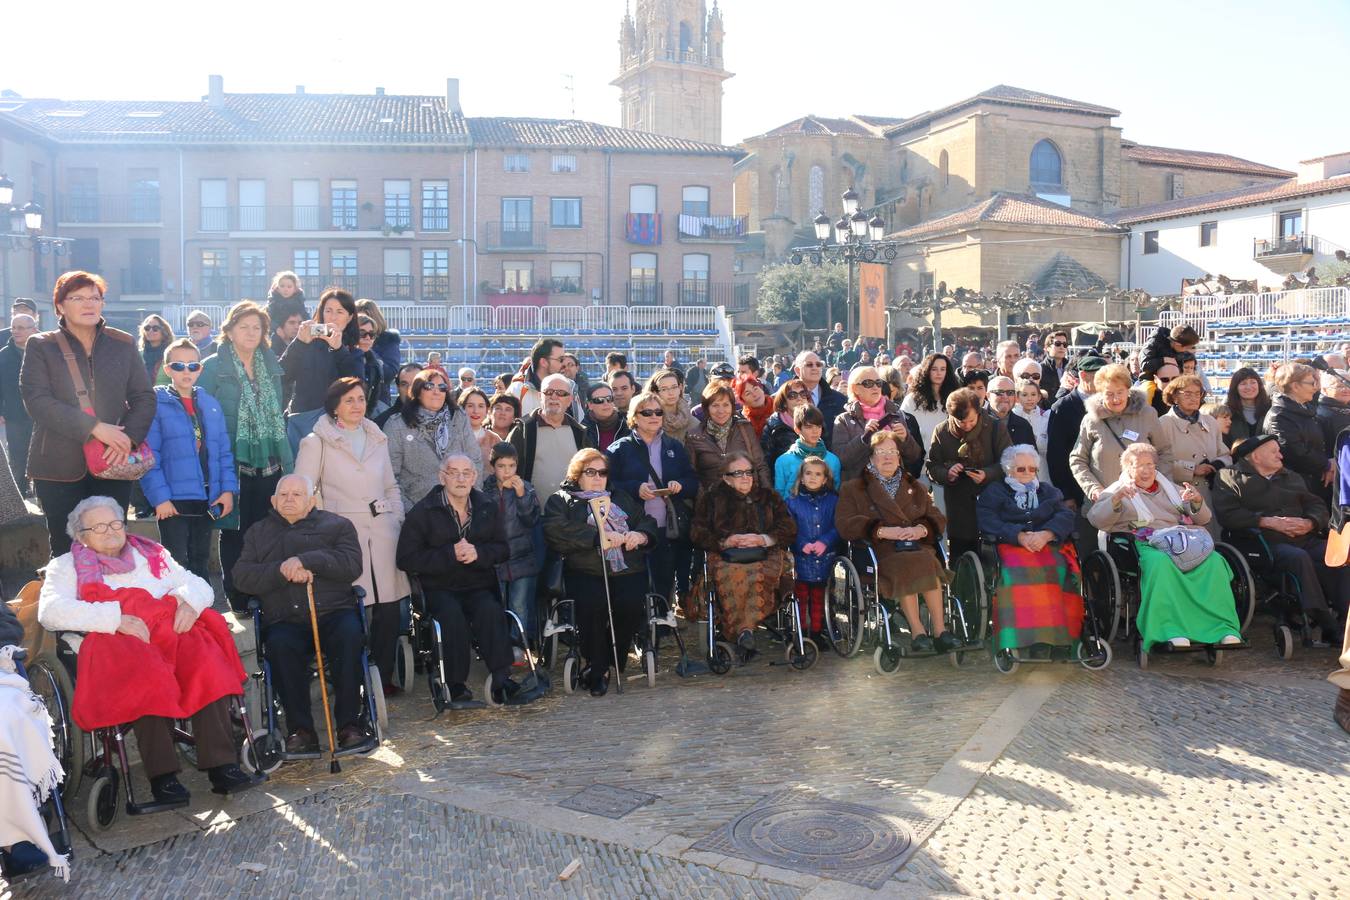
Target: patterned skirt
<point>748,593</point>
<point>1038,599</point>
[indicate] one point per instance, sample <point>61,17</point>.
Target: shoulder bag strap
<point>1107,423</point>
<point>84,391</point>
<point>657,479</point>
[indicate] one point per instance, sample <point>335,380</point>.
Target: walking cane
<point>599,511</point>
<point>333,766</point>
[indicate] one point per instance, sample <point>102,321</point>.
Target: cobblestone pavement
<point>1184,780</point>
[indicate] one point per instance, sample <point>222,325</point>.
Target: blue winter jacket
<point>815,522</point>
<point>628,466</point>
<point>790,463</point>
<point>1001,519</point>
<point>177,473</point>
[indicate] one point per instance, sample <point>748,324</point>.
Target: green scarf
<point>260,444</point>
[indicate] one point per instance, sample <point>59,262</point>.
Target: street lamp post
<point>856,238</point>
<point>21,229</point>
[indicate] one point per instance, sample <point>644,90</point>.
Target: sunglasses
<point>1162,380</point>
<point>554,392</point>
<point>813,365</point>
<point>1059,343</point>
<point>595,473</point>
<point>648,413</point>
<point>740,473</point>
<point>199,324</point>
<point>1003,393</point>
<point>185,367</point>
<point>150,328</point>
<point>367,334</point>
<point>437,386</point>
<point>870,383</point>
<point>796,395</point>
<point>1030,376</point>
<point>601,401</point>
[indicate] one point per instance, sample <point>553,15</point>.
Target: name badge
<point>410,438</point>
<point>1131,435</point>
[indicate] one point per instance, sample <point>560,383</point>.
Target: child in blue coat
<point>810,425</point>
<point>812,501</point>
<point>193,480</point>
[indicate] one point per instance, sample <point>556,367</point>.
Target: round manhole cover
<point>820,835</point>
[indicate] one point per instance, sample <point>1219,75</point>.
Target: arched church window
<point>1046,164</point>
<point>815,191</point>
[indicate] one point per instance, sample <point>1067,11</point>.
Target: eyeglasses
<point>461,474</point>
<point>601,401</point>
<point>555,392</point>
<point>1030,376</point>
<point>796,395</point>
<point>437,386</point>
<point>813,365</point>
<point>1003,393</point>
<point>150,328</point>
<point>367,334</point>
<point>595,473</point>
<point>885,454</point>
<point>1059,343</point>
<point>648,413</point>
<point>740,473</point>
<point>80,298</point>
<point>1024,470</point>
<point>185,367</point>
<point>870,383</point>
<point>1191,393</point>
<point>105,527</point>
<point>199,324</point>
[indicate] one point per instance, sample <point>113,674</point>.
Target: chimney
<point>1323,167</point>
<point>215,94</point>
<point>379,92</point>
<point>452,96</point>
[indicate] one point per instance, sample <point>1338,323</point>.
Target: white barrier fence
<point>1305,303</point>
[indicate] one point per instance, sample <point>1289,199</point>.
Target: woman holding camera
<point>325,349</point>
<point>964,458</point>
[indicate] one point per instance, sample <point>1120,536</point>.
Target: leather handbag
<point>138,462</point>
<point>748,554</point>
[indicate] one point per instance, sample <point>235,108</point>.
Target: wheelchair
<point>1277,592</point>
<point>975,578</point>
<point>52,810</point>
<point>784,624</point>
<point>856,614</point>
<point>265,748</point>
<point>1111,586</point>
<point>423,651</point>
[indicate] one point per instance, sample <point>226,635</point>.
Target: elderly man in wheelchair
<point>1269,514</point>
<point>151,651</point>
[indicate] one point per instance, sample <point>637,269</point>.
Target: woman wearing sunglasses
<point>156,335</point>
<point>606,558</point>
<point>1037,602</point>
<point>868,411</point>
<point>779,434</point>
<point>428,429</point>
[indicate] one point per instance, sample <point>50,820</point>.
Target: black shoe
<point>353,735</point>
<point>302,740</point>
<point>600,684</point>
<point>745,646</point>
<point>21,859</point>
<point>946,642</point>
<point>921,644</point>
<point>168,789</point>
<point>229,779</point>
<point>507,691</point>
<point>462,698</point>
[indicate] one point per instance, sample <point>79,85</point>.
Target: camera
<point>322,331</point>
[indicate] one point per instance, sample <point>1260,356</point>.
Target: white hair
<point>1003,345</point>
<point>73,521</point>
<point>467,371</point>
<point>1025,365</point>
<point>558,378</point>
<point>305,479</point>
<point>1010,455</point>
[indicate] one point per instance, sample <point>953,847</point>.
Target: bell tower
<point>671,70</point>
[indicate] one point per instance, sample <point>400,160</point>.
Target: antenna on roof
<point>570,85</point>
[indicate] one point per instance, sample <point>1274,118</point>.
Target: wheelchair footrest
<point>363,749</point>
<point>293,757</point>
<point>1195,647</point>
<point>145,809</point>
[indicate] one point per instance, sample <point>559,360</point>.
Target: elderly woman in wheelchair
<point>1185,593</point>
<point>151,651</point>
<point>1038,607</point>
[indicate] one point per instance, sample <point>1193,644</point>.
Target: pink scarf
<point>91,566</point>
<point>873,413</point>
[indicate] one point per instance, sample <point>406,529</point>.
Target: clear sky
<point>1263,80</point>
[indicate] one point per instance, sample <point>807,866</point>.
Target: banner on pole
<point>872,300</point>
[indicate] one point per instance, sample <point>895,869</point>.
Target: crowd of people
<point>323,461</point>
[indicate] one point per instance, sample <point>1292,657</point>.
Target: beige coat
<point>1162,514</point>
<point>1191,445</point>
<point>347,486</point>
<point>1104,435</point>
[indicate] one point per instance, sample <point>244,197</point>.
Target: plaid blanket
<point>1038,599</point>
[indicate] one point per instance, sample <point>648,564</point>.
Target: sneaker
<point>229,779</point>
<point>302,740</point>
<point>947,642</point>
<point>1231,639</point>
<point>922,644</point>
<point>1179,642</point>
<point>462,698</point>
<point>168,789</point>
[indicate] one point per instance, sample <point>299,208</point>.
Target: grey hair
<point>1136,450</point>
<point>309,482</point>
<point>88,503</point>
<point>454,456</point>
<point>1010,455</point>
<point>556,378</point>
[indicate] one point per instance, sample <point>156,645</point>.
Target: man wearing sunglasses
<point>810,369</point>
<point>603,422</point>
<point>193,481</point>
<point>1002,394</point>
<point>1055,363</point>
<point>548,438</point>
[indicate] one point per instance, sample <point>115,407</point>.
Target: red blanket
<point>122,678</point>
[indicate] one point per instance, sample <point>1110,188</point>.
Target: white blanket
<point>29,770</point>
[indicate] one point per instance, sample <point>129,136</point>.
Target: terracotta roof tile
<point>1007,209</point>
<point>1009,96</point>
<point>1199,159</point>
<point>506,131</point>
<point>1254,195</point>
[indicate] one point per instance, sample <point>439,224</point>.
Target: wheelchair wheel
<point>270,749</point>
<point>51,682</point>
<point>844,607</point>
<point>405,663</point>
<point>1094,654</point>
<point>886,660</point>
<point>1284,641</point>
<point>571,673</point>
<point>722,658</point>
<point>803,659</point>
<point>1101,588</point>
<point>1005,662</point>
<point>376,687</point>
<point>1244,586</point>
<point>186,748</point>
<point>101,805</point>
<point>649,665</point>
<point>968,589</point>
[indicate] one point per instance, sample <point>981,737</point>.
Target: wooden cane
<point>333,766</point>
<point>600,511</point>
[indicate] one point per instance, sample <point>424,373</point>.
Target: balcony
<point>642,293</point>
<point>521,237</point>
<point>698,292</point>
<point>1285,245</point>
<point>642,228</point>
<point>109,209</point>
<point>140,280</point>
<point>712,229</point>
<point>304,218</point>
<point>381,288</point>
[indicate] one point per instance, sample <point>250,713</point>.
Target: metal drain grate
<point>608,801</point>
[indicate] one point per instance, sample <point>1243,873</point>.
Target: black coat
<point>11,631</point>
<point>11,401</point>
<point>776,439</point>
<point>569,532</point>
<point>1050,380</point>
<point>1300,437</point>
<point>324,542</point>
<point>831,404</point>
<point>1061,434</point>
<point>280,308</point>
<point>1242,497</point>
<point>1332,416</point>
<point>313,367</point>
<point>426,544</point>
<point>1001,519</point>
<point>1019,429</point>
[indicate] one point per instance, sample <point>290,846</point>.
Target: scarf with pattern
<point>719,433</point>
<point>434,427</point>
<point>890,485</point>
<point>616,520</point>
<point>91,566</point>
<point>260,444</point>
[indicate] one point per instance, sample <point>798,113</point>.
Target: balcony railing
<point>642,293</point>
<point>141,280</point>
<point>300,218</point>
<point>232,288</point>
<point>712,228</point>
<point>1284,245</point>
<point>518,236</point>
<point>109,209</point>
<point>698,292</point>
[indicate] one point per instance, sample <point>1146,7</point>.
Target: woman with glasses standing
<point>867,412</point>
<point>156,335</point>
<point>67,420</point>
<point>376,376</point>
<point>779,433</point>
<point>387,344</point>
<point>1198,449</point>
<point>601,559</point>
<point>1294,424</point>
<point>323,351</point>
<point>669,387</point>
<point>429,428</point>
<point>246,379</point>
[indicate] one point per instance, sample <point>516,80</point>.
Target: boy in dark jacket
<point>193,480</point>
<point>518,507</point>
